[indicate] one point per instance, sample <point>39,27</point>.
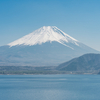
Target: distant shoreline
<point>46,70</point>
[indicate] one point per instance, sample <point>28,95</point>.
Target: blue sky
<point>78,18</point>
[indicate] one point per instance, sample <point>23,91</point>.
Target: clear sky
<point>78,18</point>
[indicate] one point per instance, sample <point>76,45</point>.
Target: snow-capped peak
<point>45,34</point>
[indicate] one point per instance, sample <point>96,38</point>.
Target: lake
<point>49,87</point>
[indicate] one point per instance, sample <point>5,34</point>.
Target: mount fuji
<point>46,46</point>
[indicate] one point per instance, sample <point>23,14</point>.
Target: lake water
<point>49,87</point>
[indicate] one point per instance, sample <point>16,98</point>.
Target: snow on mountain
<point>45,34</point>
<point>47,46</point>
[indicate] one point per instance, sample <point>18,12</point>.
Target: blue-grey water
<point>49,87</point>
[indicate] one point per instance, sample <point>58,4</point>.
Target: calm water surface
<point>49,87</point>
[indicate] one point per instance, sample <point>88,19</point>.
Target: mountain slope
<point>44,47</point>
<point>87,62</point>
<point>43,35</point>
